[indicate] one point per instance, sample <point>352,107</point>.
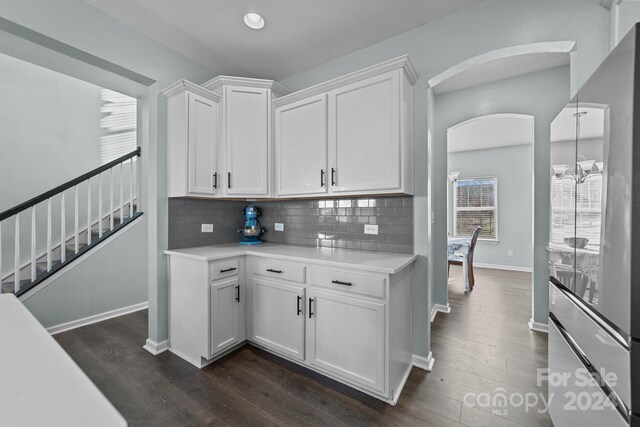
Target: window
<point>475,204</point>
<point>587,213</point>
<point>118,125</point>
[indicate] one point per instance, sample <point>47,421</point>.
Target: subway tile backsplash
<point>337,223</point>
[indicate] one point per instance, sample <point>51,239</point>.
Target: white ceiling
<point>299,34</point>
<point>592,123</point>
<point>502,68</point>
<point>493,131</point>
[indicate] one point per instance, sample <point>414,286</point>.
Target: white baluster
<point>76,222</point>
<point>131,188</point>
<point>16,256</point>
<point>88,211</point>
<point>0,256</point>
<point>33,244</point>
<point>121,195</point>
<point>111,200</point>
<point>134,178</point>
<point>63,229</point>
<point>49,234</point>
<point>100,206</point>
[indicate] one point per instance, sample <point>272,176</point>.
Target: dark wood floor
<point>483,346</point>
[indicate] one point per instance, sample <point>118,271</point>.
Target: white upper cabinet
<point>193,130</point>
<point>246,134</point>
<point>364,135</point>
<point>301,147</point>
<point>349,136</point>
<point>366,131</point>
<point>246,140</point>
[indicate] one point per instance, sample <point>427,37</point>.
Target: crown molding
<point>184,85</point>
<point>403,62</point>
<point>217,82</point>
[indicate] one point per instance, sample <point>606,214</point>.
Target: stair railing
<point>106,221</point>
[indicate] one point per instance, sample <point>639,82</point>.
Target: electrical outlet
<point>207,228</point>
<point>510,252</point>
<point>278,226</point>
<point>370,229</point>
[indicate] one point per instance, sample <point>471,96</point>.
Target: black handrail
<point>59,189</point>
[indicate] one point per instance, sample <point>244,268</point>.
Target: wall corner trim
<point>439,308</point>
<point>156,348</point>
<point>97,318</point>
<point>422,362</point>
<point>538,327</point>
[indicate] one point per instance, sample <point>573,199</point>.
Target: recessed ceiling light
<point>254,21</point>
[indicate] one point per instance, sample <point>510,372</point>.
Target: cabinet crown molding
<point>403,62</point>
<point>184,85</point>
<point>217,82</point>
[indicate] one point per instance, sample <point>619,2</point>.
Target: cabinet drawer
<point>349,282</point>
<point>281,270</point>
<point>222,269</point>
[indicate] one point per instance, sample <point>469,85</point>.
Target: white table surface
<point>40,385</point>
<point>379,262</point>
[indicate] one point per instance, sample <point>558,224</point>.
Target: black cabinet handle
<point>298,305</point>
<point>238,293</point>
<point>215,180</point>
<point>274,271</point>
<point>310,312</point>
<point>228,179</point>
<point>227,270</point>
<point>321,177</point>
<point>333,176</point>
<point>338,282</point>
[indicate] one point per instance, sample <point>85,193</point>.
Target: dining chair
<point>456,259</point>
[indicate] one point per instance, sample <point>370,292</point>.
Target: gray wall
<point>319,223</point>
<point>107,279</point>
<point>513,166</point>
<point>49,129</point>
<point>49,134</point>
<point>437,46</point>
<point>81,26</point>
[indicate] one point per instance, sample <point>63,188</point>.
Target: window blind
<point>475,205</point>
<point>118,124</point>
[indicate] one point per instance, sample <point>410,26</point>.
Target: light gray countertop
<point>41,384</point>
<point>379,262</point>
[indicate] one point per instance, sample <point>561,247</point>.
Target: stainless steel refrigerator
<point>594,248</point>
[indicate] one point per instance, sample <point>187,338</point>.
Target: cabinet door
<point>203,128</point>
<point>346,337</point>
<point>224,309</point>
<point>301,147</point>
<point>278,317</point>
<point>247,115</point>
<point>364,135</point>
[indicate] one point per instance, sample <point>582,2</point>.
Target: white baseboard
<point>422,362</point>
<point>156,348</point>
<point>538,327</point>
<point>97,318</point>
<point>439,308</point>
<point>503,267</point>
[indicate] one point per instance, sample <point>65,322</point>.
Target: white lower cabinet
<point>346,337</point>
<point>350,324</point>
<point>225,316</point>
<point>278,317</point>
